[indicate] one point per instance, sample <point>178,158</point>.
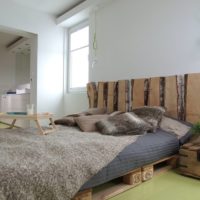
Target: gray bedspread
<point>147,149</point>
<point>55,166</point>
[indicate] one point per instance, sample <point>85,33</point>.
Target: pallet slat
<point>84,195</point>
<point>123,95</point>
<point>101,100</point>
<point>154,92</point>
<point>181,96</point>
<point>137,92</point>
<point>111,97</point>
<point>192,98</point>
<point>111,192</point>
<point>92,94</point>
<point>171,96</point>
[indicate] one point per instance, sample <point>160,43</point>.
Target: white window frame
<point>72,30</point>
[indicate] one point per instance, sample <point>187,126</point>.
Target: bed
<point>59,164</point>
<point>132,155</point>
<point>147,149</point>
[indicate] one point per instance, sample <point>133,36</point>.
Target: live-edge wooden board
<point>137,92</point>
<point>123,95</point>
<point>92,94</point>
<point>181,98</point>
<point>171,96</point>
<point>154,92</point>
<point>111,98</point>
<point>101,100</point>
<point>193,98</point>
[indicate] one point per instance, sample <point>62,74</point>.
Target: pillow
<point>76,115</point>
<point>123,124</point>
<point>87,123</point>
<point>66,121</point>
<point>180,129</point>
<point>116,113</point>
<point>69,120</point>
<point>95,111</point>
<point>151,114</point>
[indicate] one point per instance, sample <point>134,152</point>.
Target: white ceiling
<point>54,7</point>
<point>6,38</point>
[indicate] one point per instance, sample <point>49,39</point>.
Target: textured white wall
<point>22,66</point>
<point>47,70</point>
<point>142,38</point>
<point>75,103</point>
<point>7,70</point>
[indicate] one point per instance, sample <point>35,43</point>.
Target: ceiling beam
<point>79,13</point>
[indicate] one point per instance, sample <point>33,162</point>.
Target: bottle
<point>30,109</point>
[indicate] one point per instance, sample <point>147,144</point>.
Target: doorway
<point>18,67</point>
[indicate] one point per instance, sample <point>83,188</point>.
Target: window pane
<point>79,68</point>
<point>79,38</point>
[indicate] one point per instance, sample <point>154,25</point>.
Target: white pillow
<point>174,126</point>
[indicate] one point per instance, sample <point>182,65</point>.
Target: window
<point>78,57</point>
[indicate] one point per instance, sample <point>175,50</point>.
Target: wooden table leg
<point>39,127</point>
<point>52,123</point>
<point>13,123</point>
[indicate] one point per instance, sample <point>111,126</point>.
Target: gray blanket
<point>55,166</point>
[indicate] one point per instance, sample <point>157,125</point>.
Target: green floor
<point>166,186</point>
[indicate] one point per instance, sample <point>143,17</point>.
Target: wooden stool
<point>189,162</point>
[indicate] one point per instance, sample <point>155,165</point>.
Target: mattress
<point>147,149</point>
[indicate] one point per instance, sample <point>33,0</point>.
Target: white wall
<point>7,70</point>
<point>75,103</point>
<point>142,38</point>
<point>22,69</point>
<point>47,72</point>
<point>136,38</point>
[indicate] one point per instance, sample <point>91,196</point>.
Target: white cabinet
<point>15,103</point>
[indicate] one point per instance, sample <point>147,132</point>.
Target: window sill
<point>77,90</point>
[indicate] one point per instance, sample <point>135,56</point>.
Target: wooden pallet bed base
<point>124,95</point>
<point>129,180</point>
<point>84,195</point>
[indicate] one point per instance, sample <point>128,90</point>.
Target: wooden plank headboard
<point>180,95</point>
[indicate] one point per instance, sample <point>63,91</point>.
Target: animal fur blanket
<point>55,166</point>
